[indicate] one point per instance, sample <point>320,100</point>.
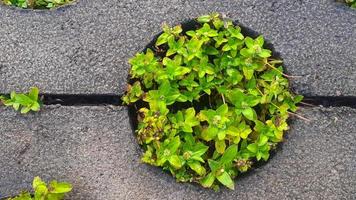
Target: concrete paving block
<point>84,48</point>
<point>95,149</point>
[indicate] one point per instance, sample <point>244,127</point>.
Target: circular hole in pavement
<point>204,101</point>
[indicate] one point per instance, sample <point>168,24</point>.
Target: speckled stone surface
<point>84,48</point>
<point>95,149</point>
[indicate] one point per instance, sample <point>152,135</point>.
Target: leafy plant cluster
<point>55,191</point>
<point>37,4</point>
<point>351,3</point>
<point>23,102</point>
<point>210,101</point>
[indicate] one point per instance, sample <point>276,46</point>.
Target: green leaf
<point>190,119</point>
<point>25,110</point>
<point>33,94</point>
<point>235,32</point>
<point>252,147</point>
<point>262,140</point>
<point>16,106</point>
<point>249,42</point>
<point>226,47</point>
<point>23,99</point>
<point>176,30</point>
<point>226,180</point>
<point>249,113</point>
<point>298,98</point>
<point>210,133</point>
<point>248,73</point>
<point>175,161</point>
<point>208,180</point>
<point>265,53</point>
<point>260,41</point>
<point>191,33</point>
<point>259,155</point>
<point>37,182</point>
<point>233,131</point>
<point>221,135</point>
<point>223,109</point>
<point>40,188</point>
<point>234,76</point>
<point>265,155</point>
<point>204,19</point>
<point>59,188</point>
<point>229,154</point>
<point>214,165</point>
<point>245,132</point>
<point>211,51</point>
<point>22,196</point>
<point>220,146</point>
<point>174,144</point>
<point>196,166</point>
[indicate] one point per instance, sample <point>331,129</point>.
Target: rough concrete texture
<point>84,48</point>
<point>94,148</point>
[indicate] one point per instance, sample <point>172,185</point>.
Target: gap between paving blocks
<point>107,99</point>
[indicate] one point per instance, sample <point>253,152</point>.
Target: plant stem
<point>299,116</point>
<point>287,76</point>
<point>223,98</point>
<point>259,91</point>
<point>307,104</point>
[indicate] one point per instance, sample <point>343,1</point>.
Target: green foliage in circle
<point>211,101</point>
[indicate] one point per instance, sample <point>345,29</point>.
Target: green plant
<point>55,191</point>
<point>351,3</point>
<point>24,102</point>
<point>37,4</point>
<point>210,101</point>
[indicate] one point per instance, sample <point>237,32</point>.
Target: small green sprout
<point>24,102</point>
<point>55,191</point>
<point>210,101</point>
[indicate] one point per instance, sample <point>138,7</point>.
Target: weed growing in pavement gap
<point>55,191</point>
<point>24,102</point>
<point>351,3</point>
<point>211,101</point>
<point>36,4</point>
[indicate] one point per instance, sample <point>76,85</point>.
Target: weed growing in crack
<point>211,101</point>
<point>23,102</point>
<point>55,191</point>
<point>351,3</point>
<point>36,4</point>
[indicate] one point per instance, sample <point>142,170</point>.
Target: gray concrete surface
<point>84,48</point>
<point>95,149</point>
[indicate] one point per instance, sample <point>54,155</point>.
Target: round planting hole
<point>350,3</point>
<point>208,100</point>
<point>37,4</point>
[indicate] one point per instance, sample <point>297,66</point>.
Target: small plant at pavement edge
<point>36,4</point>
<point>24,102</point>
<point>351,3</point>
<point>211,101</point>
<point>55,191</point>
